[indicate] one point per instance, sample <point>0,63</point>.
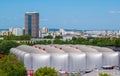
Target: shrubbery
<point>104,74</point>
<point>46,71</point>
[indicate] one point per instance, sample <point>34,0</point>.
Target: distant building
<point>45,30</point>
<point>17,31</point>
<point>68,36</point>
<point>5,33</point>
<point>32,24</point>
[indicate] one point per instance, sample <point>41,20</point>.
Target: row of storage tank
<point>69,58</point>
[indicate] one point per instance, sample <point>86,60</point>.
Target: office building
<point>32,24</point>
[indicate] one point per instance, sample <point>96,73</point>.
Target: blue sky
<point>69,14</point>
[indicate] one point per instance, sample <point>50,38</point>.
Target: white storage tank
<point>110,58</point>
<point>93,57</point>
<point>68,49</point>
<point>19,53</point>
<point>40,60</point>
<point>119,58</point>
<point>93,60</point>
<point>34,58</point>
<point>33,61</point>
<point>28,61</point>
<point>49,49</point>
<point>77,59</point>
<point>30,49</point>
<point>12,50</point>
<point>77,62</point>
<point>59,61</point>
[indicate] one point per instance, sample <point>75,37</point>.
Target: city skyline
<point>67,14</point>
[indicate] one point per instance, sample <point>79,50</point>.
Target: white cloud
<point>115,12</point>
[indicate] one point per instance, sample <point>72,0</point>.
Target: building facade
<point>17,31</point>
<point>32,24</point>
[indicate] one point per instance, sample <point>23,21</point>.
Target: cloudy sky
<point>68,14</point>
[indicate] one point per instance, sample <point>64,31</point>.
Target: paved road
<point>96,73</point>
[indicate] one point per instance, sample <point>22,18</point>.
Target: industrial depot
<point>67,58</point>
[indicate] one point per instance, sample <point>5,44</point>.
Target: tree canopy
<point>48,37</point>
<point>46,71</point>
<point>11,66</point>
<point>5,46</point>
<point>13,37</point>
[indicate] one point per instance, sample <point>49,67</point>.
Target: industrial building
<point>68,58</point>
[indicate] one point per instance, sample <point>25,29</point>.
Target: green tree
<point>117,42</point>
<point>74,38</point>
<point>13,37</point>
<point>104,74</point>
<point>46,71</point>
<point>25,37</point>
<point>48,37</point>
<point>11,66</point>
<point>58,37</point>
<point>58,41</point>
<point>2,73</point>
<point>5,46</point>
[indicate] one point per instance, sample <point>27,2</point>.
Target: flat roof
<point>31,12</point>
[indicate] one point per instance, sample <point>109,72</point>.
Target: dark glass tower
<point>32,24</point>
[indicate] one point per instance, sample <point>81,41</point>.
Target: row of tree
<point>51,37</point>
<point>88,41</point>
<point>79,40</point>
<point>5,45</point>
<point>13,37</point>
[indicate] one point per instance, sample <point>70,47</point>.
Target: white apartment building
<point>17,31</point>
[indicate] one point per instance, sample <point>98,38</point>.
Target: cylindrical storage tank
<point>110,58</point>
<point>102,49</point>
<point>119,58</point>
<point>75,58</point>
<point>22,54</point>
<point>77,62</point>
<point>85,48</point>
<point>59,61</point>
<point>12,50</point>
<point>28,61</point>
<point>93,57</point>
<point>40,60</point>
<point>30,49</point>
<point>68,49</point>
<point>53,50</point>
<point>93,61</point>
<point>17,52</point>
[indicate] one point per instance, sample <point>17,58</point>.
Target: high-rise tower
<point>32,24</point>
